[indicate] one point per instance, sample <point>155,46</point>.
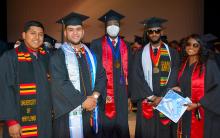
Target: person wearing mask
<point>114,54</point>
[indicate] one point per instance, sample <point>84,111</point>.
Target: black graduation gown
<point>210,102</point>
<point>217,58</point>
<point>66,98</point>
<point>3,47</point>
<point>118,126</point>
<point>9,91</point>
<point>152,128</point>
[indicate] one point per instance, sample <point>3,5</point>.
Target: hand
<point>191,106</point>
<point>89,104</point>
<point>15,131</point>
<point>177,89</point>
<point>96,94</point>
<point>108,99</point>
<point>130,106</point>
<point>156,101</point>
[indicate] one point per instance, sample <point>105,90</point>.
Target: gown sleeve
<point>175,65</point>
<point>100,82</point>
<point>211,101</point>
<point>8,86</point>
<point>64,95</point>
<point>139,86</point>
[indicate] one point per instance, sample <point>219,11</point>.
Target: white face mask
<point>113,30</point>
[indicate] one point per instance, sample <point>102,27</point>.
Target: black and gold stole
<point>27,91</point>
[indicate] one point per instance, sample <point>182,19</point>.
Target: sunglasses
<point>195,45</point>
<point>154,31</point>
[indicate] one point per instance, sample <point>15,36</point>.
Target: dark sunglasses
<point>195,45</point>
<point>154,31</point>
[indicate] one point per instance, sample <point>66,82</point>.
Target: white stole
<point>147,64</point>
<point>75,116</point>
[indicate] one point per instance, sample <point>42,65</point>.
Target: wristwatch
<point>96,96</point>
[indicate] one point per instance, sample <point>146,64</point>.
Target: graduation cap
<point>208,40</point>
<point>111,15</point>
<point>138,39</point>
<point>73,19</point>
<point>164,39</point>
<point>49,39</point>
<point>208,37</point>
<point>153,22</point>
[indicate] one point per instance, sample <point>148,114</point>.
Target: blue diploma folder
<point>172,105</point>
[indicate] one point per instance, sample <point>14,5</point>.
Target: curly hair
<point>203,52</point>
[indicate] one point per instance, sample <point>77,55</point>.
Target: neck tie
<point>155,51</point>
<point>113,42</point>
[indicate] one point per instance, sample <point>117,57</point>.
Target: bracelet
<point>95,96</point>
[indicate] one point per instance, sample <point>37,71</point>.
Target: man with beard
<point>155,71</point>
<point>114,54</point>
<point>78,81</point>
<point>24,87</point>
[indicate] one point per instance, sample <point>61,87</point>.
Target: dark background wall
<point>212,17</point>
<point>3,20</point>
<point>185,16</point>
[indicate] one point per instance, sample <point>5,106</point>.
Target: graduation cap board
<point>49,39</point>
<point>209,37</point>
<point>208,40</point>
<point>111,15</point>
<point>138,39</point>
<point>153,22</point>
<point>72,18</point>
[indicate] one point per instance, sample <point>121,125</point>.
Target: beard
<point>155,41</point>
<point>75,42</point>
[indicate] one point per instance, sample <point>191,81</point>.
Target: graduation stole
<point>27,91</point>
<point>107,61</point>
<point>162,61</point>
<point>197,92</point>
<point>162,65</point>
<point>74,75</point>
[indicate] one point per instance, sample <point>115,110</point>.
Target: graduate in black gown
<point>155,71</point>
<point>78,83</point>
<point>216,47</point>
<point>49,43</point>
<point>3,47</point>
<point>26,106</point>
<point>199,79</point>
<point>114,53</point>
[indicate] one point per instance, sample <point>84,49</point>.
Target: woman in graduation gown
<point>199,79</point>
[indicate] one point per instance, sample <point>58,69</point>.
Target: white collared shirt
<point>116,40</point>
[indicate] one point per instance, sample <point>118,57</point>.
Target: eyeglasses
<point>195,45</point>
<point>154,31</point>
